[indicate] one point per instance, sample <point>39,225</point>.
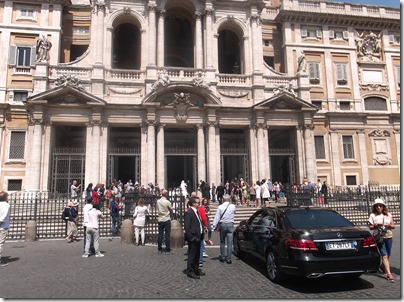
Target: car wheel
<point>236,248</point>
<point>273,271</point>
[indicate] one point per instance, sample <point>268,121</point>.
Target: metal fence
<point>46,209</point>
<point>353,203</point>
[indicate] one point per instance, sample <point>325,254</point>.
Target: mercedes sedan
<point>311,242</point>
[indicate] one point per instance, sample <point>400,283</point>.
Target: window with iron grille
<point>350,180</point>
<point>375,103</point>
<point>319,145</point>
<point>17,145</point>
<point>348,146</point>
<point>14,185</point>
<point>20,96</point>
<point>345,105</point>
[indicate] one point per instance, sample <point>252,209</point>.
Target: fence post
<point>127,233</point>
<point>30,230</point>
<point>176,235</point>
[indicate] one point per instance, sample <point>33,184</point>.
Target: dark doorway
<point>233,167</point>
<point>229,52</point>
<point>124,168</point>
<point>126,47</point>
<point>280,169</point>
<point>179,168</point>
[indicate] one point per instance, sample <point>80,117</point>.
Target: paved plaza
<point>55,269</point>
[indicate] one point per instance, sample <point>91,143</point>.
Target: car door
<point>247,235</point>
<point>264,224</point>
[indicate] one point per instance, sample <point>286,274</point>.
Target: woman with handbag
<point>381,222</point>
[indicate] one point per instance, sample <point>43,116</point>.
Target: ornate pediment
<point>285,100</point>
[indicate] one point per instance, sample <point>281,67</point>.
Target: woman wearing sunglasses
<point>381,220</point>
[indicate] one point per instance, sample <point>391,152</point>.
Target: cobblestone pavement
<point>55,269</point>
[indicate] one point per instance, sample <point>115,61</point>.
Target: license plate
<point>340,245</point>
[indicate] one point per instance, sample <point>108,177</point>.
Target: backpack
<point>65,214</point>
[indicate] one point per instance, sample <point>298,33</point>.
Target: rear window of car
<point>315,219</point>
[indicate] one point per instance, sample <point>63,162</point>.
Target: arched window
<point>229,52</point>
<point>375,103</point>
<point>126,47</point>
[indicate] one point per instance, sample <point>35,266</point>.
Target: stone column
<point>160,40</point>
<point>397,138</point>
<point>99,10</point>
<point>95,154</point>
<point>152,33</point>
<point>335,159</point>
<point>301,172</point>
<point>310,153</point>
<point>267,159</point>
<point>201,153</point>
<point>212,153</point>
<point>256,41</point>
<point>209,37</point>
<point>253,154</point>
<point>260,144</point>
<point>36,155</point>
<point>151,161</point>
<point>160,156</point>
<point>363,156</point>
<point>143,154</point>
<point>198,40</point>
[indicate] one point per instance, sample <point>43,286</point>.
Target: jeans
<point>164,230</point>
<point>226,232</point>
<point>201,250</point>
<point>3,235</point>
<point>114,224</point>
<point>92,233</point>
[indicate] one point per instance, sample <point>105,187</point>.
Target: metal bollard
<point>127,232</point>
<point>30,230</point>
<point>177,235</point>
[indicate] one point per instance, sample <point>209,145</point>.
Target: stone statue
<point>43,46</point>
<point>301,62</point>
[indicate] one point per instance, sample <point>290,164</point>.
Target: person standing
<point>71,223</point>
<point>140,220</point>
<point>4,222</point>
<point>92,232</point>
<point>193,233</point>
<point>258,193</point>
<point>324,192</point>
<point>225,217</point>
<point>213,192</point>
<point>220,192</point>
<point>86,209</point>
<point>164,222</point>
<point>74,188</point>
<point>380,219</point>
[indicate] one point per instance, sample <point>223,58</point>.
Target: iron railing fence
<point>46,208</point>
<point>354,204</point>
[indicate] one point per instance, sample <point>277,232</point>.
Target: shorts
<point>385,248</point>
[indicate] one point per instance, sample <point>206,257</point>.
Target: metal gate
<point>114,152</point>
<point>239,152</point>
<point>68,164</point>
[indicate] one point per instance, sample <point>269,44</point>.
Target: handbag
<point>378,235</point>
<point>217,229</point>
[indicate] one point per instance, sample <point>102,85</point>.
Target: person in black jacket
<point>193,234</point>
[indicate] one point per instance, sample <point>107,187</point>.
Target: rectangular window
<point>17,145</point>
<point>20,96</point>
<point>394,39</point>
<point>311,33</point>
<point>81,30</point>
<point>24,56</point>
<point>345,105</point>
<point>26,12</point>
<point>339,35</point>
<point>14,185</point>
<point>348,146</point>
<point>341,73</point>
<point>314,72</point>
<point>318,104</point>
<point>320,148</point>
<point>350,180</point>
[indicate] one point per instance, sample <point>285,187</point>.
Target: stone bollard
<point>127,235</point>
<point>30,230</point>
<point>177,235</point>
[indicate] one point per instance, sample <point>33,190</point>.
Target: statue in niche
<point>301,62</point>
<point>43,46</point>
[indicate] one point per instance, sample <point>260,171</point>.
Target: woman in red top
<point>95,194</point>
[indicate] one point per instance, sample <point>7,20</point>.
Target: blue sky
<point>392,3</point>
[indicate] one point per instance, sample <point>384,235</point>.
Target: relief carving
<point>368,46</point>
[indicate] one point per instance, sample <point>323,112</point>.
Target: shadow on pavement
<point>321,285</point>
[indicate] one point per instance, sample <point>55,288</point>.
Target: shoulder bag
<point>221,216</point>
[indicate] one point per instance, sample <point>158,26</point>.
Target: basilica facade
<point>160,91</point>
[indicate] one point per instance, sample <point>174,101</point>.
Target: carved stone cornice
<point>162,13</point>
<point>209,11</point>
<point>198,15</point>
<point>212,123</point>
<point>32,121</point>
<point>98,6</point>
<point>199,126</point>
<point>152,7</point>
<point>150,123</point>
<point>379,133</point>
<point>162,125</point>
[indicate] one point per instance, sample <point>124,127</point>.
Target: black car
<point>306,241</point>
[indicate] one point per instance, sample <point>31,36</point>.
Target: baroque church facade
<point>160,91</point>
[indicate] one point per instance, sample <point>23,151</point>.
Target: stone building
<point>165,90</point>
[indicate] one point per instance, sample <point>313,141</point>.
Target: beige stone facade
<point>164,91</point>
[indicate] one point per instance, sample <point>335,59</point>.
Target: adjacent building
<point>162,91</point>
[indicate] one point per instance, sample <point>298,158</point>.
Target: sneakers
<point>99,255</point>
<point>209,242</point>
<point>200,264</point>
<point>205,255</point>
<point>84,255</point>
<point>2,263</point>
<point>229,262</point>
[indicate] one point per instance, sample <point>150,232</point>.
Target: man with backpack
<point>114,212</point>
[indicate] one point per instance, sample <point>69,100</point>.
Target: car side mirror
<point>243,222</point>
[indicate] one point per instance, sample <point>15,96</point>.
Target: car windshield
<point>315,219</point>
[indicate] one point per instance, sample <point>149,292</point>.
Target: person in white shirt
<point>87,208</point>
<point>225,217</point>
<point>74,188</point>
<point>92,231</point>
<point>4,222</point>
<point>140,220</point>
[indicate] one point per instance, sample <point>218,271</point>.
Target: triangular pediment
<point>285,101</point>
<point>66,95</point>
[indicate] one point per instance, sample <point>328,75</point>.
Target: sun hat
<point>379,201</point>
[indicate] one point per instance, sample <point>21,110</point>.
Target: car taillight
<point>302,245</point>
<point>368,242</point>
